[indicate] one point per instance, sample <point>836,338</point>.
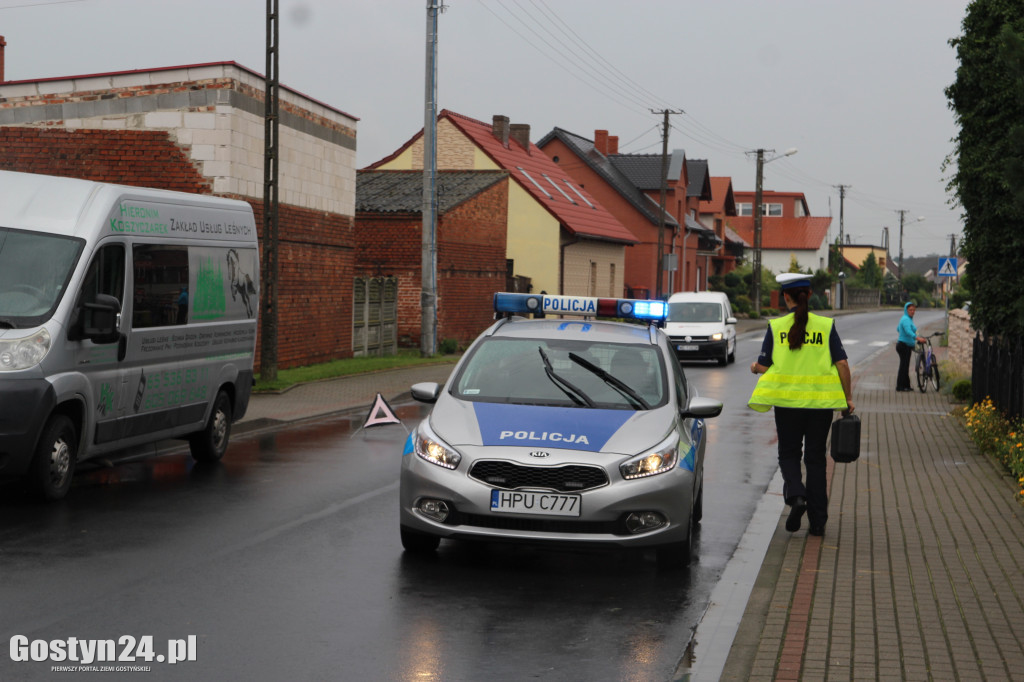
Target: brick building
<point>199,128</point>
<point>472,218</point>
<point>559,237</point>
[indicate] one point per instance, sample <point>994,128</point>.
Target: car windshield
<point>694,311</point>
<point>34,272</point>
<point>563,373</point>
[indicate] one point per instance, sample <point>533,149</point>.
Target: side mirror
<point>701,408</point>
<point>426,392</point>
<point>731,320</point>
<point>100,319</point>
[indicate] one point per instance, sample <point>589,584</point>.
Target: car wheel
<point>698,506</point>
<point>732,355</point>
<point>724,360</point>
<point>210,444</point>
<point>677,554</point>
<point>418,543</point>
<point>53,464</point>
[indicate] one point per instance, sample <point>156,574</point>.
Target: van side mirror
<point>100,319</point>
<point>731,320</point>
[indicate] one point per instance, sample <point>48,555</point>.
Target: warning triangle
<point>381,413</point>
<point>947,268</point>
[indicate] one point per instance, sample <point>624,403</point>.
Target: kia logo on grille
<point>540,453</point>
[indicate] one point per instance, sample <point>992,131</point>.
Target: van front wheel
<point>53,464</point>
<point>210,444</point>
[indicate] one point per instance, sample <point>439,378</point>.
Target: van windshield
<point>694,311</point>
<point>34,272</point>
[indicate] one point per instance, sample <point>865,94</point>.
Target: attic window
<point>560,190</point>
<point>535,183</point>
<point>585,200</point>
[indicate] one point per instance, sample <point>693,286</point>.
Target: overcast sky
<point>857,87</point>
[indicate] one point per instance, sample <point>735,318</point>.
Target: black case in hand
<point>846,439</point>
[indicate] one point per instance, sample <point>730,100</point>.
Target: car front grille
<point>693,339</point>
<point>565,479</point>
<point>502,522</point>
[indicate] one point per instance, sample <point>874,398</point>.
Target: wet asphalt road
<point>284,562</point>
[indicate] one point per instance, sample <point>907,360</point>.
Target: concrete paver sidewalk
<point>920,575</point>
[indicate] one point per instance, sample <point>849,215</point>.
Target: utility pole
<point>842,258</point>
<point>900,270</point>
<point>428,256</point>
<point>269,280</point>
<point>756,279</point>
<point>660,265</point>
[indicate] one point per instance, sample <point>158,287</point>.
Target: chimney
<point>3,44</point>
<point>601,141</point>
<point>520,132</point>
<point>499,127</point>
<point>613,144</point>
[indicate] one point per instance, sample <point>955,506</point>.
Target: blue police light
<point>588,306</point>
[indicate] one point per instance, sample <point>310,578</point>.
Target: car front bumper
<point>602,520</point>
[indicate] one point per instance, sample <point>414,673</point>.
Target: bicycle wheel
<point>919,370</point>
<point>935,377</point>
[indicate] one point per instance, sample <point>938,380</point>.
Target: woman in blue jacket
<point>908,338</point>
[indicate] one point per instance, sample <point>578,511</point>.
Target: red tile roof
<point>805,234</point>
<point>720,189</point>
<point>533,170</point>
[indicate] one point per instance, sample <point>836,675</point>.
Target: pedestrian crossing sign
<point>947,267</point>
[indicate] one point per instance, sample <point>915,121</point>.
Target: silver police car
<point>566,429</point>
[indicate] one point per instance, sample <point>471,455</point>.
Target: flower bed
<point>999,437</point>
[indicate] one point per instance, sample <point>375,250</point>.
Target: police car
<point>560,429</point>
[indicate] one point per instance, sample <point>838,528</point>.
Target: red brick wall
<point>315,248</point>
<point>470,263</point>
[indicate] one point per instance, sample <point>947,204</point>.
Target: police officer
<point>805,376</point>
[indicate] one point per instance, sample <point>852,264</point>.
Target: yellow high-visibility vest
<point>802,378</point>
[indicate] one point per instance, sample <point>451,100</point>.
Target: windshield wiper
<point>6,323</point>
<point>612,380</point>
<point>574,393</point>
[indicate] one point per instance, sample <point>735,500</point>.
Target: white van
<point>701,326</point>
<point>127,316</point>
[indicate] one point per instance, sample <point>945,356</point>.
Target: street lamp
<point>761,161</point>
<point>900,271</point>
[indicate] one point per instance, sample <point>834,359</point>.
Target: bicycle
<point>927,367</point>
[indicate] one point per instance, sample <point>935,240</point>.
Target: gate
<point>375,316</point>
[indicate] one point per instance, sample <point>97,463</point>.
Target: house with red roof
<point>788,230</point>
<point>715,213</point>
<point>630,186</point>
<point>559,236</point>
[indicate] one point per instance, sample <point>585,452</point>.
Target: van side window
<point>105,275</point>
<point>161,295</point>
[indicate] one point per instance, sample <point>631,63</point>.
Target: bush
<point>743,304</point>
<point>962,390</point>
<point>999,437</point>
<point>448,346</point>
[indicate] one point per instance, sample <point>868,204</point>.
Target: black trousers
<point>903,374</point>
<point>804,433</point>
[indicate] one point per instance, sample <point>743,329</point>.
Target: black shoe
<point>817,529</point>
<point>796,512</point>
<point>904,390</point>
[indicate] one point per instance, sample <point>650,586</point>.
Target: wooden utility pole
<point>659,264</point>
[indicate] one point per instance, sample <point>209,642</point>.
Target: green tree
<point>870,275</point>
<point>988,160</point>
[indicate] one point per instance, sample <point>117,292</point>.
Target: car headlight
<point>716,337</point>
<point>431,448</point>
<point>24,352</point>
<point>657,461</point>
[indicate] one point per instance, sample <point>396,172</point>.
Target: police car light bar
<point>627,308</point>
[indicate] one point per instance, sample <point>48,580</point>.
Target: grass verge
<point>286,378</point>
